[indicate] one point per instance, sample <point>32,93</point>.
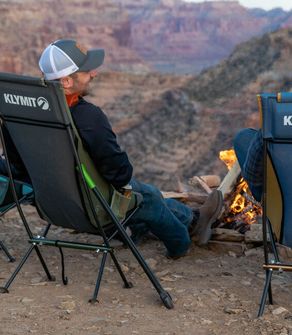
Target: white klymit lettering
<point>24,101</point>
<point>287,120</point>
<point>16,98</point>
<point>7,98</point>
<point>20,100</point>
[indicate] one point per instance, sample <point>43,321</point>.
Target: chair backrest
<point>38,120</point>
<point>276,114</point>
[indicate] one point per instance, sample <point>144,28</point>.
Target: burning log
<point>240,208</point>
<point>230,180</point>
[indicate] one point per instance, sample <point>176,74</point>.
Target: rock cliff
<point>140,36</point>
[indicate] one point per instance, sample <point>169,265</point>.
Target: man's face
<point>81,81</point>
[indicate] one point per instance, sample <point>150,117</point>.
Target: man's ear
<point>67,82</point>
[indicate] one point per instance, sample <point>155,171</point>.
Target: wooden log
<point>228,235</point>
<point>232,248</point>
<point>230,180</point>
<point>211,180</point>
<point>186,196</point>
<point>197,181</point>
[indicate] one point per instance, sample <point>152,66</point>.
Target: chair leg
<point>11,258</point>
<point>270,294</point>
<point>4,289</point>
<point>127,284</point>
<point>164,295</point>
<point>99,277</point>
<point>267,289</point>
<point>50,277</point>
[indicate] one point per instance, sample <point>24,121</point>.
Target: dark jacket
<point>100,142</point>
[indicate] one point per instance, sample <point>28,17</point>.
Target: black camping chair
<point>25,196</point>
<point>68,192</point>
<point>276,113</point>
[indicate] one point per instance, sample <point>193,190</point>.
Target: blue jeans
<point>241,144</point>
<point>168,219</point>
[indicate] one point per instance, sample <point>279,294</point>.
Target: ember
<point>241,209</point>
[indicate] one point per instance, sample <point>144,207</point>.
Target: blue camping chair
<point>25,195</point>
<point>276,116</point>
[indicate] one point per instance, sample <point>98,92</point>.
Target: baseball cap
<point>64,57</point>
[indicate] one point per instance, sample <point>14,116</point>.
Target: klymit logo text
<point>287,120</point>
<point>21,100</point>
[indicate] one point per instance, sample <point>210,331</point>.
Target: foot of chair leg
<point>52,278</point>
<point>93,301</point>
<point>12,259</point>
<point>3,290</point>
<point>128,285</point>
<point>166,299</point>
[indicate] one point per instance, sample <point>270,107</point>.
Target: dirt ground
<point>214,292</point>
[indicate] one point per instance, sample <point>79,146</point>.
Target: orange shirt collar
<point>72,99</point>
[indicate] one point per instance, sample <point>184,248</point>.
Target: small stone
<point>229,310</point>
<point>68,306</point>
<point>36,280</point>
<point>163,273</point>
<point>232,254</point>
<point>228,323</point>
<point>279,311</point>
<point>125,268</point>
<point>122,322</point>
<point>206,322</point>
<point>245,282</point>
<point>26,300</point>
<point>168,278</point>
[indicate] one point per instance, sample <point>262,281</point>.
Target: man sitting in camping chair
<point>171,221</point>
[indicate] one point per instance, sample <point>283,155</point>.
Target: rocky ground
<point>214,292</point>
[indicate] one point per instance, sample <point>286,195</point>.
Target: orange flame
<point>242,207</point>
<point>228,157</point>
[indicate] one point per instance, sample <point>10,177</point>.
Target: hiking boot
<point>209,212</point>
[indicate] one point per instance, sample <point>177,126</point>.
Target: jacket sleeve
<point>100,142</point>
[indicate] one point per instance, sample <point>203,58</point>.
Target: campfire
<point>241,209</point>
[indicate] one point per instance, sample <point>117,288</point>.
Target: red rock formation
<point>168,36</point>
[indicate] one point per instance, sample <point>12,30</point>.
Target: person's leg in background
<point>249,152</point>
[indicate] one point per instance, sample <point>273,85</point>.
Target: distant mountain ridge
<point>168,36</point>
<point>182,130</point>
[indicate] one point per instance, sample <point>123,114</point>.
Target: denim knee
<point>241,144</point>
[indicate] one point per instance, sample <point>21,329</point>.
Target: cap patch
<point>81,48</point>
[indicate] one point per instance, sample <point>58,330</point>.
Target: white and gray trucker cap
<point>64,57</point>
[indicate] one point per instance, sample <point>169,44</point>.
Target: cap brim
<point>94,59</point>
